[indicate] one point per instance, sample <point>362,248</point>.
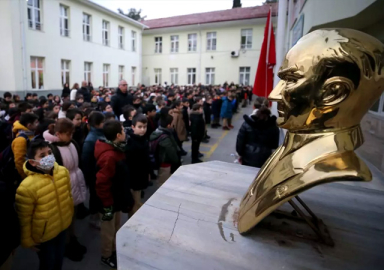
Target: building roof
<point>214,16</point>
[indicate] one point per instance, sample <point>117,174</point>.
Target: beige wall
<point>226,67</point>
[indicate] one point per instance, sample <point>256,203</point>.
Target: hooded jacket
<point>119,100</point>
<point>168,148</point>
<point>20,146</point>
<point>44,204</point>
<point>256,140</point>
<point>179,125</point>
<point>112,183</point>
<point>70,159</point>
<point>137,157</point>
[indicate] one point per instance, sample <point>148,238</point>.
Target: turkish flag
<point>264,76</point>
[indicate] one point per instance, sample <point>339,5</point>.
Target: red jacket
<point>107,158</point>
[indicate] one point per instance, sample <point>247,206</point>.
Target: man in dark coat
<point>84,92</point>
<point>121,98</point>
<point>197,131</point>
<point>257,138</point>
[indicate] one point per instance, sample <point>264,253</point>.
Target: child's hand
<point>108,214</point>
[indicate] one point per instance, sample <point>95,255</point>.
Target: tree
<point>132,13</point>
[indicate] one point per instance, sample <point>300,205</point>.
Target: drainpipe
<point>199,66</point>
<point>23,45</point>
<point>140,69</point>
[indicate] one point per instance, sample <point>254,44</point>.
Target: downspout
<point>201,42</point>
<point>23,46</point>
<point>141,56</point>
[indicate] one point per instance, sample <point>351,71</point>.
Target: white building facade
<point>49,43</point>
<point>208,48</point>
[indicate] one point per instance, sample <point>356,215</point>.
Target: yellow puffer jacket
<point>19,147</point>
<point>44,204</point>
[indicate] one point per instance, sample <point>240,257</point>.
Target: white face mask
<point>46,163</point>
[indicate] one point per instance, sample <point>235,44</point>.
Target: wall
<point>49,44</point>
<point>226,67</point>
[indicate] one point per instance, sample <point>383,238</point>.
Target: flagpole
<point>268,43</point>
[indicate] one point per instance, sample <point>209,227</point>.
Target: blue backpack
<point>8,170</point>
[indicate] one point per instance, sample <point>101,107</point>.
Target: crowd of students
<point>110,144</point>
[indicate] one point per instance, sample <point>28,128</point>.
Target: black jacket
<point>151,127</point>
<point>137,157</point>
<point>207,112</point>
<point>256,140</point>
<point>186,118</point>
<point>119,100</point>
<point>216,107</point>
<point>85,93</point>
<point>197,125</point>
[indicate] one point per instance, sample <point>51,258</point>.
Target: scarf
<point>119,146</point>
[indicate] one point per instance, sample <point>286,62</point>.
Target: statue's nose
<point>276,94</point>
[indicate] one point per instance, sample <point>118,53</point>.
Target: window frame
<point>106,69</point>
<point>105,32</point>
<point>87,36</point>
<point>133,37</point>
<point>192,42</point>
<point>157,75</point>
<point>64,18</point>
<point>158,44</point>
<point>191,74</point>
<point>174,76</point>
<point>210,72</point>
<point>121,72</point>
<point>33,7</point>
<point>87,73</point>
<point>174,43</point>
<point>120,37</point>
<point>36,72</point>
<point>247,38</point>
<point>246,72</point>
<point>65,68</point>
<point>211,41</point>
<point>133,74</point>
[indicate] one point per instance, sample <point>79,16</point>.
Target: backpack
<point>154,151</point>
<point>8,170</point>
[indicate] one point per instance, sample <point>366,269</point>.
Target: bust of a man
<point>329,80</point>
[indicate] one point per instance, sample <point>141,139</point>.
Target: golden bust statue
<point>329,80</point>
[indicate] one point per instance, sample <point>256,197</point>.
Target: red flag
<point>264,76</point>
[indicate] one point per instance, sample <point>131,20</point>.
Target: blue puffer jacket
<point>226,108</point>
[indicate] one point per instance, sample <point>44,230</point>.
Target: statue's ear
<point>335,90</point>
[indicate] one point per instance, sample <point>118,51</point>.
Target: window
<point>378,107</point>
<point>211,41</point>
<point>192,42</point>
<point>105,75</point>
<point>105,33</point>
<point>86,27</point>
<point>210,76</point>
<point>191,75</point>
<point>158,44</point>
<point>87,71</point>
<point>244,75</point>
<point>64,25</point>
<point>37,73</point>
<point>174,76</point>
<point>174,44</point>
<point>34,14</point>
<point>246,38</point>
<point>121,37</point>
<point>121,73</point>
<point>157,75</point>
<point>65,71</point>
<point>133,41</point>
<point>133,75</point>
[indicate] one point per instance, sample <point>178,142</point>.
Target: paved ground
<point>220,147</point>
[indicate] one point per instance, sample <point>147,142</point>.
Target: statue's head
<point>329,80</point>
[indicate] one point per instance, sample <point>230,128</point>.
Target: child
<point>160,105</point>
<point>226,111</point>
<point>112,187</point>
<point>79,101</point>
<point>197,131</point>
<point>40,112</point>
<point>66,106</point>
<point>151,115</point>
<point>178,125</point>
<point>95,121</point>
<point>107,109</point>
<point>25,128</point>
<point>137,156</point>
<point>128,112</point>
<point>44,205</point>
<point>168,148</point>
<point>186,115</point>
<point>75,115</point>
<point>66,154</point>
<point>137,104</point>
<point>216,109</point>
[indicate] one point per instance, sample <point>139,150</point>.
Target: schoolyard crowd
<point>111,145</point>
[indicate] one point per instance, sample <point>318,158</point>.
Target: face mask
<point>46,163</point>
